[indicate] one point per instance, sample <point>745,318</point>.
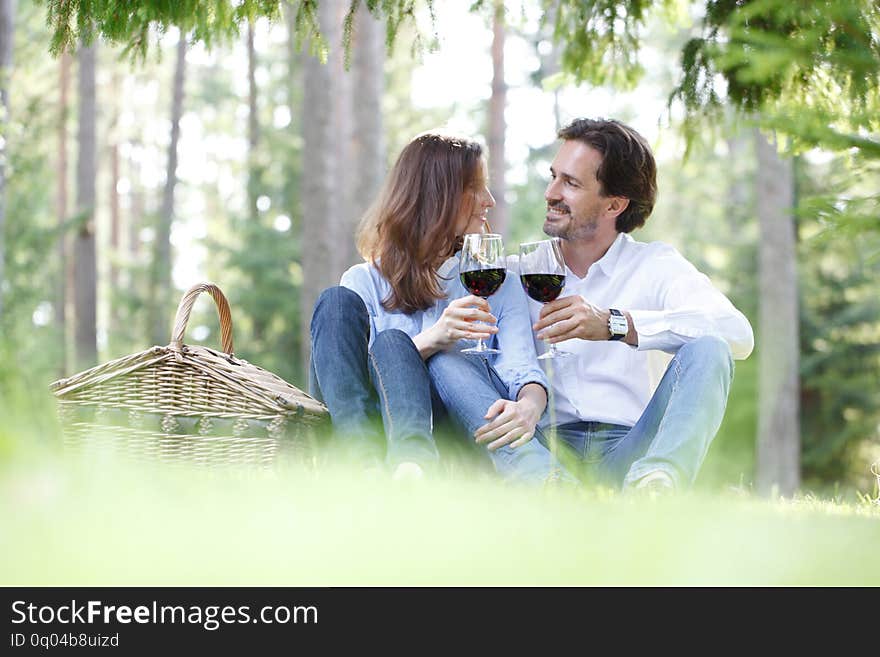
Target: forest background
<point>245,152</point>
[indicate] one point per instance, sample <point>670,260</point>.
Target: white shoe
<point>408,471</point>
<point>657,482</point>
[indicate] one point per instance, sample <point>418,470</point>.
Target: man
<point>624,299</point>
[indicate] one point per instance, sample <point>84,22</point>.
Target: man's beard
<point>573,229</point>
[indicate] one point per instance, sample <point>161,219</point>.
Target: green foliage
<point>811,69</point>
<point>840,329</point>
<point>599,38</point>
<point>764,49</point>
<point>397,13</point>
<point>129,23</point>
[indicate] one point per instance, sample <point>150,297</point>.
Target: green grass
<point>97,521</point>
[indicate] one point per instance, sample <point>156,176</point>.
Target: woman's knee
<point>339,304</point>
<point>451,365</point>
<point>394,343</point>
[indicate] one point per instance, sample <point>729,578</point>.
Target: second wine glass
<point>542,273</point>
<point>482,270</point>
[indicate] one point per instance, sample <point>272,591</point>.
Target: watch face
<point>618,325</point>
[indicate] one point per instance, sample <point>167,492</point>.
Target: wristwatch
<point>618,327</point>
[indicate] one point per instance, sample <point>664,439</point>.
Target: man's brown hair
<point>412,222</point>
<point>628,168</point>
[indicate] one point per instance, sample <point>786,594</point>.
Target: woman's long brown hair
<point>412,223</point>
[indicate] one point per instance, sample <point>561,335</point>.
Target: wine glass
<point>542,273</point>
<point>482,271</point>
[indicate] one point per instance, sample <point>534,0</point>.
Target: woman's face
<point>475,205</point>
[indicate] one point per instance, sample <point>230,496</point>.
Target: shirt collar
<point>608,262</point>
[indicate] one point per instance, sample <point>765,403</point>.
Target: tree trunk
<point>7,26</point>
<point>113,192</point>
<point>368,50</point>
<point>84,269</point>
<point>342,151</point>
<point>253,127</point>
<point>739,148</point>
<point>319,202</point>
<point>778,448</point>
<point>342,220</point>
<point>137,211</point>
<point>61,211</point>
<point>500,215</point>
<point>161,278</point>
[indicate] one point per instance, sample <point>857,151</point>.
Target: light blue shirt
<point>517,363</point>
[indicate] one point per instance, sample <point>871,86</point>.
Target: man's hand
<point>513,422</point>
<point>572,317</point>
<point>457,323</point>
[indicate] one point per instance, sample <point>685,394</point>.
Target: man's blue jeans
<point>675,430</point>
<point>357,382</point>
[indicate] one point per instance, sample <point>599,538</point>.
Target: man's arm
<point>575,317</point>
<point>692,308</point>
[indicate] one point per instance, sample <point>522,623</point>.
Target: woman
<point>389,334</point>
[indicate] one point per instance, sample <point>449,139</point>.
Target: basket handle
<point>185,307</point>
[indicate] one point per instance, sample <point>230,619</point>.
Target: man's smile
<point>557,210</point>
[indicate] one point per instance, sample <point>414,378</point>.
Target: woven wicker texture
<point>188,402</point>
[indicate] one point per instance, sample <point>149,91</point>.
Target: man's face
<point>576,208</point>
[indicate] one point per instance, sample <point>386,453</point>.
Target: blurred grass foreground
<point>91,519</point>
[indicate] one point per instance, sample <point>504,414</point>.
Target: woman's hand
<point>513,422</point>
<point>457,323</point>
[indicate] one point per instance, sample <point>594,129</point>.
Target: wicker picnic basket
<point>188,403</point>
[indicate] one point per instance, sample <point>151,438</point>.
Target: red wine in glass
<point>482,271</point>
<point>543,287</point>
<point>483,282</point>
<point>542,273</point>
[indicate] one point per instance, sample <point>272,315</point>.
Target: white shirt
<point>670,302</point>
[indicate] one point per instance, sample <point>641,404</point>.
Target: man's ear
<point>616,205</point>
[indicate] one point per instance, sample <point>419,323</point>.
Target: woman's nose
<point>488,199</point>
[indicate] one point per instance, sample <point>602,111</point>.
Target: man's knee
<point>710,350</point>
<point>338,304</point>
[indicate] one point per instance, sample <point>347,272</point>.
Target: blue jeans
<point>675,430</point>
<point>467,386</point>
<point>360,384</point>
<point>389,379</point>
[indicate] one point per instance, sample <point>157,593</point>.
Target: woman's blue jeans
<point>359,382</point>
<point>675,430</point>
<point>467,386</point>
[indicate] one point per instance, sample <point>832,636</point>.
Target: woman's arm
<point>457,323</point>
